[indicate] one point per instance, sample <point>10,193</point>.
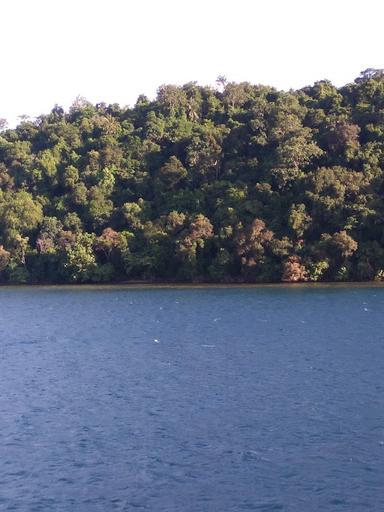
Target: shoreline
<point>150,285</point>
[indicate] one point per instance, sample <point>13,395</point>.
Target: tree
<point>20,212</point>
<point>171,98</point>
<point>170,174</point>
<point>369,74</point>
<point>190,246</point>
<point>5,257</point>
<point>298,220</point>
<point>236,183</point>
<point>3,124</point>
<point>251,245</point>
<point>344,244</point>
<point>80,263</point>
<point>294,271</point>
<point>221,81</point>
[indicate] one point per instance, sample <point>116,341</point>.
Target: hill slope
<point>242,183</point>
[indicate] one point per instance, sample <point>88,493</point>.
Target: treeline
<point>239,183</point>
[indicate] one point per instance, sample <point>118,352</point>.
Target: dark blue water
<point>192,400</point>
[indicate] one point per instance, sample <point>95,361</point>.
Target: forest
<point>234,183</point>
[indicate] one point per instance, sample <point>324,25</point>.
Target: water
<point>192,400</point>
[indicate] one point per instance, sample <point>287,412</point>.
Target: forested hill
<point>238,183</point>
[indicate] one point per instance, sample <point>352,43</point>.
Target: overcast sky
<point>114,50</point>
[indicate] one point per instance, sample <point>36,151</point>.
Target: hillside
<point>242,183</point>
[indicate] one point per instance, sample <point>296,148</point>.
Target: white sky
<point>114,50</point>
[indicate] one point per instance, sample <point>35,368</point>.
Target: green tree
<point>80,263</point>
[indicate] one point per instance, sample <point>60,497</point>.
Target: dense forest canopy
<point>242,183</point>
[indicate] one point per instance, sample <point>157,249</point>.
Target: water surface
<point>192,400</point>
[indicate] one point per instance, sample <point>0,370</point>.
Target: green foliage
<point>317,270</point>
<point>80,261</point>
<point>238,183</point>
<point>170,174</point>
<point>17,274</point>
<point>20,212</point>
<point>298,219</point>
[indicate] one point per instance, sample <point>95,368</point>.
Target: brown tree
<point>4,258</point>
<point>294,271</point>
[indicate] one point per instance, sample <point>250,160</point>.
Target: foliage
<point>238,183</point>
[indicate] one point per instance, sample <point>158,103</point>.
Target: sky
<point>113,50</point>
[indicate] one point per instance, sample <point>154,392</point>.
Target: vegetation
<point>239,183</point>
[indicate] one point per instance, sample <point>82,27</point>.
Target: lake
<point>192,399</point>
